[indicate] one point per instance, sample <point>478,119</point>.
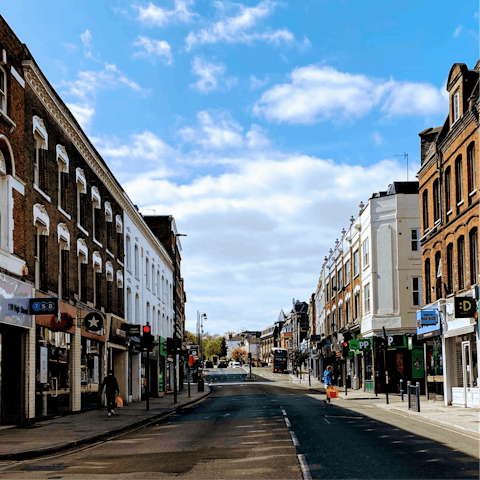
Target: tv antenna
<point>150,209</point>
<point>405,156</point>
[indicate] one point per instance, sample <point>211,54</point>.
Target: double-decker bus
<point>278,360</point>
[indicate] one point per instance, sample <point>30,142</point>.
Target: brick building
<point>449,214</point>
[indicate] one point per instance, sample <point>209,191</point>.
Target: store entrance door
<point>467,373</point>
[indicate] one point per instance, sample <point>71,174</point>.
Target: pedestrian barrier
<point>413,396</point>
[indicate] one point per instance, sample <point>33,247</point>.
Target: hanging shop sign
<point>94,321</point>
<point>14,302</point>
<point>396,341</point>
<point>428,323</point>
<point>465,307</point>
<point>361,344</point>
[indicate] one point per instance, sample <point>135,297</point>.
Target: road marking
<point>284,412</point>
<point>326,420</point>
<point>304,467</point>
<point>294,438</point>
<point>287,422</point>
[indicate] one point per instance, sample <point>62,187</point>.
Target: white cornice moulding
<point>82,249</point>
<point>64,118</point>
<point>39,126</point>
<point>62,158</point>
<point>63,235</point>
<point>97,261</point>
<point>41,220</point>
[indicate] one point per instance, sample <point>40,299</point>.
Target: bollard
<point>401,389</point>
<point>408,394</point>
<point>418,396</point>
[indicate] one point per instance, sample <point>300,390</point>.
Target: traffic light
<point>345,349</point>
<point>170,347</point>
<point>147,338</point>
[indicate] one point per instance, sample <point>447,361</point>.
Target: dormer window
<point>456,106</point>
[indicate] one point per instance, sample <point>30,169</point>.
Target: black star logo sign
<point>94,322</point>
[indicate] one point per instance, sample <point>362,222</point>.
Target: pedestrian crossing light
<point>147,338</point>
<point>345,349</point>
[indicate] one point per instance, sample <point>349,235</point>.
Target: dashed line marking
<point>295,441</point>
<point>304,467</point>
<point>287,422</point>
<point>326,420</point>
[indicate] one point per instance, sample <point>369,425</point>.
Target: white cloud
<point>237,28</point>
<point>86,38</point>
<point>159,17</point>
<point>153,48</point>
<point>319,93</point>
<point>212,76</point>
<point>83,113</point>
<point>457,31</point>
<point>377,138</point>
<point>256,83</point>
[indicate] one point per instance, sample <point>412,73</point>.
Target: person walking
<point>327,380</point>
<point>110,385</point>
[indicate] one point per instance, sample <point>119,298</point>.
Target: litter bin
<point>194,377</point>
<point>201,384</point>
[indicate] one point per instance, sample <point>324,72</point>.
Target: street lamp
<point>175,305</point>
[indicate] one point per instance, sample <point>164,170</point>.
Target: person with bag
<point>327,380</point>
<point>110,385</point>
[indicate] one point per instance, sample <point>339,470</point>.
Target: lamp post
<point>200,318</point>
<point>175,305</point>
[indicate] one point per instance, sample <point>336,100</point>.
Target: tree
<point>223,347</point>
<point>238,354</point>
<point>191,339</point>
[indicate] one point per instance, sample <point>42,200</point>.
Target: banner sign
<point>427,317</point>
<point>361,344</point>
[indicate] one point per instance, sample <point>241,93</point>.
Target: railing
<point>413,396</point>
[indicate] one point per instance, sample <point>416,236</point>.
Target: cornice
<point>457,128</point>
<point>37,82</point>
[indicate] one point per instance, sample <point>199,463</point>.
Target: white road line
<point>295,441</point>
<point>284,412</point>
<point>326,420</point>
<point>287,422</point>
<point>304,467</point>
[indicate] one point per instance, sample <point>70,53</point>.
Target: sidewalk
<point>462,419</point>
<point>87,427</point>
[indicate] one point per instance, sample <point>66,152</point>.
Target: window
<point>109,294</point>
<point>473,241</point>
<point>158,285</point>
<point>119,246</point>
<point>471,168</point>
<point>137,310</point>
<point>327,288</point>
<point>82,278</point>
<point>40,163</point>
<point>340,283</point>
<point>128,254</point>
<point>456,106</point>
<point>461,262</point>
<point>458,179</point>
<point>417,291</point>
<point>334,286</point>
<point>147,273</point>
<point>449,283</point>
<point>63,273</point>
<point>81,190</point>
<point>365,250</point>
<point>436,200</point>
<point>97,277</point>
<point>415,240</point>
<point>357,305</point>
<point>428,297</point>
<point>356,263</point>
<point>153,278</point>
<point>438,275</point>
<point>96,215</point>
<point>137,276</point>
<point>347,312</point>
<point>340,324</point>
<point>129,305</point>
<point>41,267</point>
<point>109,225</point>
<point>366,297</point>
<point>448,189</point>
<point>3,90</point>
<point>347,272</point>
<point>163,290</point>
<point>425,210</point>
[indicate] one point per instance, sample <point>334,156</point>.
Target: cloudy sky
<point>259,125</point>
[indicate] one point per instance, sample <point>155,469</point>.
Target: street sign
<point>94,321</point>
<point>43,306</point>
<point>131,330</point>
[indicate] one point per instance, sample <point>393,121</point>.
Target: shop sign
<point>94,321</point>
<point>163,347</point>
<point>14,302</point>
<point>131,330</point>
<point>43,306</point>
<point>361,344</point>
<point>465,307</point>
<point>396,341</point>
<point>117,333</point>
<point>425,325</point>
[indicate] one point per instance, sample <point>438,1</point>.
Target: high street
<point>270,428</point>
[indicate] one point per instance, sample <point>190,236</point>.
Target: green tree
<point>191,339</point>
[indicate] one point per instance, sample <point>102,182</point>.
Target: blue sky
<point>260,125</point>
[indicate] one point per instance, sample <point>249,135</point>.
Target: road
<point>267,429</point>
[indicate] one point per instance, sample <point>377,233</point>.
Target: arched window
<point>147,273</point>
<point>136,262</point>
<point>471,167</point>
<point>438,274</point>
<point>473,241</point>
<point>428,284</point>
<point>461,262</point>
<point>449,269</point>
<point>425,210</point>
<point>137,310</point>
<point>129,305</point>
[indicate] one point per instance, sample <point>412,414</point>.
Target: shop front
<point>362,349</point>
<point>92,358</point>
<point>150,371</point>
<point>16,351</point>
<point>162,361</point>
<point>117,349</point>
<point>461,353</point>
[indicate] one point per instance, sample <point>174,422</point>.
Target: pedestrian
<point>111,388</point>
<point>327,380</point>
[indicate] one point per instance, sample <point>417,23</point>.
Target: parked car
<point>222,364</point>
<point>208,364</point>
<point>236,365</point>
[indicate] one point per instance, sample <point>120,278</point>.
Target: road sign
<point>94,321</point>
<point>43,306</point>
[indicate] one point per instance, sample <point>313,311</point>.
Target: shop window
<point>473,241</point>
<point>91,366</point>
<point>461,262</point>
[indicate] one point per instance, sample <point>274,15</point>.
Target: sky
<point>260,125</point>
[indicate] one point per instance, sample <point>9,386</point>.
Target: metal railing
<point>413,396</point>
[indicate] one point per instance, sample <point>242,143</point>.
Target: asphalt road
<point>268,429</point>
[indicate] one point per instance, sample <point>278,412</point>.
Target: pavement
<point>465,420</point>
<point>73,430</point>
